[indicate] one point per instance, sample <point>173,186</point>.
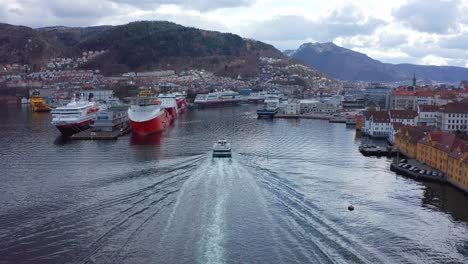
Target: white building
<point>376,124</point>
<point>98,95</point>
<point>427,114</point>
<point>292,108</point>
<point>453,117</point>
<point>316,106</point>
<point>405,117</point>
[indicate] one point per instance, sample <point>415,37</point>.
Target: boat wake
<point>305,232</point>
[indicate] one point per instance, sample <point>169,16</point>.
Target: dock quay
<point>100,135</point>
<point>308,116</point>
<point>418,171</point>
<point>337,120</point>
<point>378,151</point>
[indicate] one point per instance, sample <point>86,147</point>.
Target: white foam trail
<point>188,184</point>
<point>212,250</point>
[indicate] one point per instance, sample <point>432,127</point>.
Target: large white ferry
<point>218,98</point>
<point>74,117</point>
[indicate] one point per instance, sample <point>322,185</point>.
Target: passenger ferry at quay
<point>149,114</point>
<point>75,117</point>
<point>218,99</point>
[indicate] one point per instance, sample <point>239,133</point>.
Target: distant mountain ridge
<point>346,64</point>
<point>137,46</point>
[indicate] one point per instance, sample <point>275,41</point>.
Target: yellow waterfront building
<point>440,150</point>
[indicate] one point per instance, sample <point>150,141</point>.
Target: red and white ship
<point>148,116</point>
<point>75,117</point>
<point>181,102</point>
<point>169,102</point>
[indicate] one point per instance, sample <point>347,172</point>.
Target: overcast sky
<point>431,32</point>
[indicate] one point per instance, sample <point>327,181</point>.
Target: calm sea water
<point>282,198</point>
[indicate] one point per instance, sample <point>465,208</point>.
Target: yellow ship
<point>38,103</point>
<point>145,92</point>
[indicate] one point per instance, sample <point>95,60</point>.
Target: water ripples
<point>282,198</point>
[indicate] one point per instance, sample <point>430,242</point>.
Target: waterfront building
<point>407,137</point>
<point>458,166</point>
<point>292,108</point>
<point>318,106</point>
<point>453,117</point>
<point>376,124</point>
<point>447,153</point>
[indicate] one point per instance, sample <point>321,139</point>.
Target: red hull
<point>181,105</point>
<point>71,129</point>
<point>154,125</point>
<point>172,111</point>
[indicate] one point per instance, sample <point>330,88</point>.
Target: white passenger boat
<point>222,149</point>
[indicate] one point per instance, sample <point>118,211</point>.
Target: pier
<point>100,135</point>
<point>378,151</point>
<point>419,172</point>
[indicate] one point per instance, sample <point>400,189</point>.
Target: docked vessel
<point>147,115</point>
<point>181,101</point>
<point>218,99</point>
<point>222,149</point>
<point>74,117</point>
<point>270,106</point>
<point>257,97</point>
<point>169,102</point>
<point>38,104</point>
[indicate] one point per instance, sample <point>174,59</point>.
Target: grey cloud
<point>200,5</point>
<point>81,8</point>
<point>422,51</point>
<point>36,13</point>
<point>347,21</point>
<point>434,16</point>
<point>391,39</point>
<point>458,42</point>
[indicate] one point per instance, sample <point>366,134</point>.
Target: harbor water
<point>282,198</point>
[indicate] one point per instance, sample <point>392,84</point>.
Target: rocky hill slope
<point>346,64</point>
